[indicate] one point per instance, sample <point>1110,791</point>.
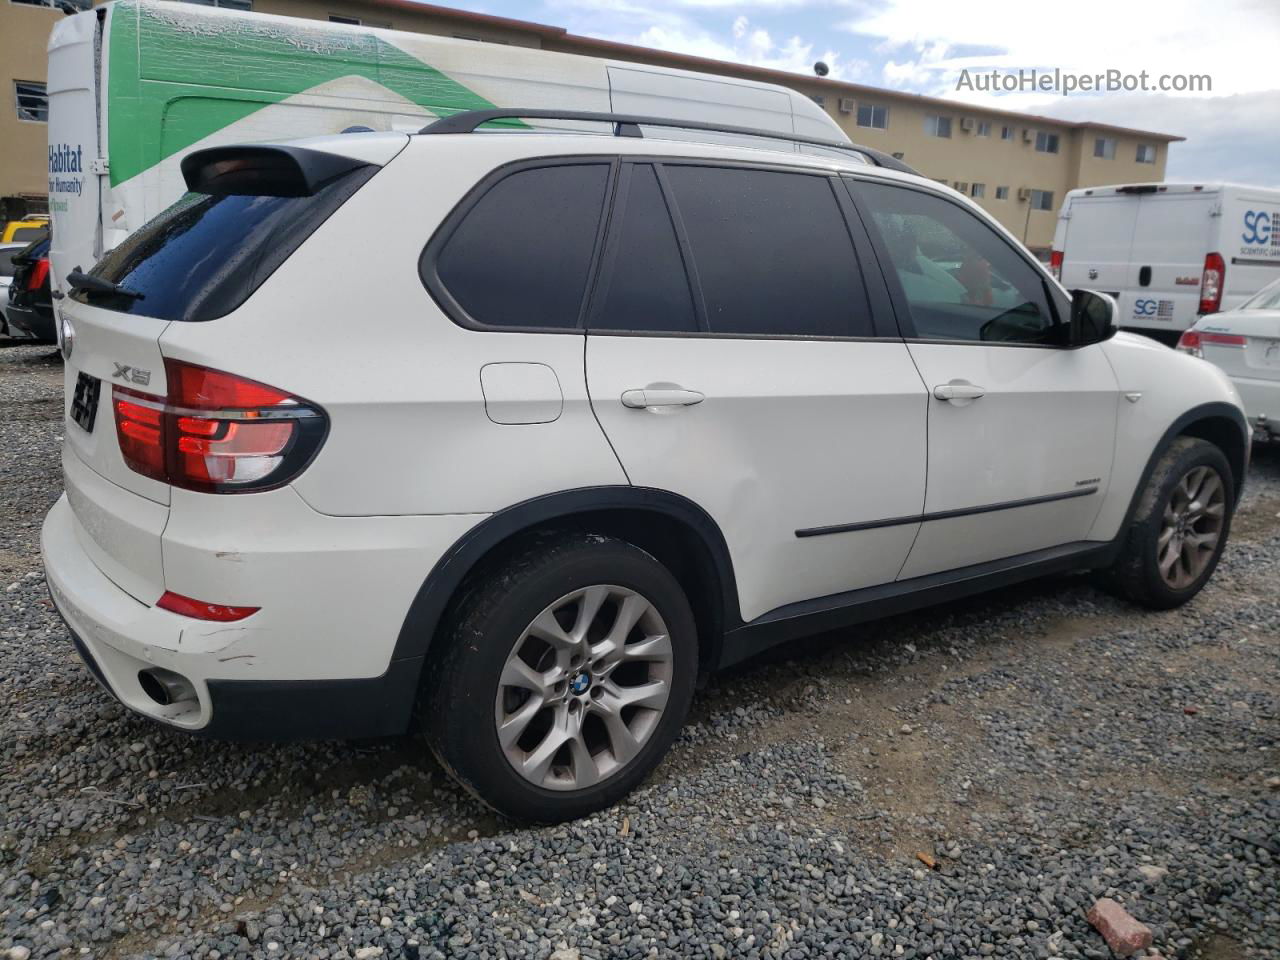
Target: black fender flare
<point>442,583</point>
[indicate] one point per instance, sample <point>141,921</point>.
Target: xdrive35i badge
<point>131,374</point>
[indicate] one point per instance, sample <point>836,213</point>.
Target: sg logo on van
<point>1261,230</point>
<point>1145,308</point>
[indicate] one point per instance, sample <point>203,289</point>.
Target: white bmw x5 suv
<point>625,410</point>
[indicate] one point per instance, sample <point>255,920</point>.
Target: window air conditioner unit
<point>966,123</point>
<point>847,105</point>
<point>1027,135</point>
<point>1024,193</point>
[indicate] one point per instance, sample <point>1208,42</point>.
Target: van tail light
<point>215,432</point>
<point>1193,341</point>
<point>39,274</point>
<point>1215,275</point>
<point>1055,264</point>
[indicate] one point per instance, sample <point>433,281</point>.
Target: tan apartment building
<point>1016,165</point>
<point>24,140</point>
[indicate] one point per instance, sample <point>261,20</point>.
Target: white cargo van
<point>135,85</point>
<point>1169,252</point>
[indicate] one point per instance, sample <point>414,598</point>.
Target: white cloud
<point>1230,41</point>
<point>744,43</point>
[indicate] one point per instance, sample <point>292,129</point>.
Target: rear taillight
<point>39,274</point>
<point>1211,281</point>
<point>216,432</point>
<point>1193,341</point>
<point>1055,264</point>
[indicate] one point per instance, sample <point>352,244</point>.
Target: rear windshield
<point>1268,298</point>
<point>202,257</point>
<point>27,234</point>
<point>7,265</point>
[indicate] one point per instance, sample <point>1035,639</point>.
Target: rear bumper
<point>281,710</point>
<point>314,663</point>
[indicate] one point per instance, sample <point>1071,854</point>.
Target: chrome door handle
<point>660,397</point>
<point>959,390</point>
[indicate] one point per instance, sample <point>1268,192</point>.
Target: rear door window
<point>644,286</point>
<point>772,252</point>
<point>520,255</point>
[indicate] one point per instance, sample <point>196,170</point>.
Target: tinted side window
<point>645,284</point>
<point>520,255</point>
<point>961,280</point>
<point>772,251</point>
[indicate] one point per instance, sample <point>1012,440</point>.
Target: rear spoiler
<point>264,171</point>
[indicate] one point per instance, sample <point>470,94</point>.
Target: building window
<point>1105,147</point>
<point>358,22</point>
<point>1041,199</point>
<point>936,126</point>
<point>1146,153</point>
<point>32,100</point>
<point>1002,193</point>
<point>978,191</point>
<point>227,4</point>
<point>870,115</point>
<point>984,128</point>
<point>962,186</point>
<point>1046,142</point>
<point>1006,133</point>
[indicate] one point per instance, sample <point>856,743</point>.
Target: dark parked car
<point>30,308</point>
<point>7,252</point>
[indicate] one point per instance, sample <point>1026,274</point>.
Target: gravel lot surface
<point>1044,747</point>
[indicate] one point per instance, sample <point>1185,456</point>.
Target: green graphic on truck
<point>175,79</point>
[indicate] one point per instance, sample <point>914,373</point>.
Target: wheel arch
<point>675,530</point>
<point>1222,424</point>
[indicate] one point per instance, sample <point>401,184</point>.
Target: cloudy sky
<point>921,46</point>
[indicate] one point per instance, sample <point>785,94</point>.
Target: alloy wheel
<point>584,687</point>
<point>1191,527</point>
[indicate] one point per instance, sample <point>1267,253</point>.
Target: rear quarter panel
<point>347,323</point>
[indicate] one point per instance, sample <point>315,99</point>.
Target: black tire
<point>1136,573</point>
<point>461,680</point>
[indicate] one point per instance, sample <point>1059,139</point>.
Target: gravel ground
<point>1043,747</point>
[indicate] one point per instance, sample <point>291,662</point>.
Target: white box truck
<point>1169,252</point>
<point>135,85</point>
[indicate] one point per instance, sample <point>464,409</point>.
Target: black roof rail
<point>628,125</point>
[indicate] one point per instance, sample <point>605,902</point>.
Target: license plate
<point>84,404</point>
